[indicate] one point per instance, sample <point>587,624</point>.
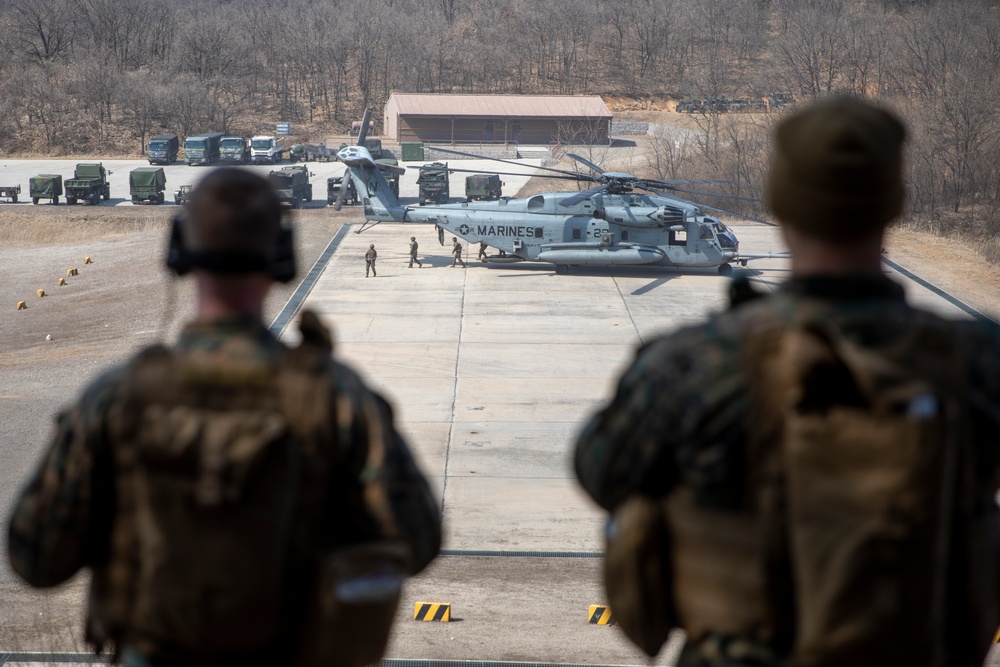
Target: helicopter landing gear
<point>562,269</point>
<point>725,269</point>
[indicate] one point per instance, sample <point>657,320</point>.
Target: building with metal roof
<point>497,119</point>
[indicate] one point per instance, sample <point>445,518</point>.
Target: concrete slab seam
<point>454,393</point>
<point>302,291</point>
<point>486,553</point>
<point>628,311</point>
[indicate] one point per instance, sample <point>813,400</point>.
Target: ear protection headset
<point>279,263</point>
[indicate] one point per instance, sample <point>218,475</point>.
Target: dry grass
<point>21,226</point>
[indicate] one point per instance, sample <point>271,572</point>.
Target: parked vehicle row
<point>90,185</point>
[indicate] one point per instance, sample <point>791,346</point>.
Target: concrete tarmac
<point>492,371</point>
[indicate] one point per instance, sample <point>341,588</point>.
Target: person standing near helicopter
<point>809,477</point>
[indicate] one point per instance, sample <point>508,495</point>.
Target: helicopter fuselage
<point>626,228</point>
<point>614,226</point>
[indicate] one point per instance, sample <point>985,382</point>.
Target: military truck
<point>202,148</point>
<point>146,185</point>
<point>483,187</point>
<point>292,185</point>
<point>433,182</point>
<point>182,195</point>
<point>333,185</point>
<point>10,192</point>
<point>391,177</point>
<point>89,183</point>
<point>234,150</point>
<point>45,186</point>
<point>162,149</point>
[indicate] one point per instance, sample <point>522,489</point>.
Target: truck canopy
<point>45,185</point>
<point>89,170</point>
<point>147,177</point>
<point>434,172</point>
<point>163,141</point>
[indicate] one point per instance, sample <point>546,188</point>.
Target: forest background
<point>100,76</point>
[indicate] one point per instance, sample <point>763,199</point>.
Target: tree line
<point>103,75</point>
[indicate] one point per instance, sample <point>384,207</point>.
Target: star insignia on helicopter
<point>464,229</point>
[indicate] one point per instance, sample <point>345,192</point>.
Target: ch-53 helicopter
<point>608,224</point>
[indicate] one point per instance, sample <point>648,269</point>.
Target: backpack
<point>862,547</point>
<point>222,472</point>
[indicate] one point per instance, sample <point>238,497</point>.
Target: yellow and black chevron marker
<point>432,611</point>
<point>600,614</point>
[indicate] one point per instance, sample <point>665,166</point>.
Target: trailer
<point>11,192</point>
<point>45,186</point>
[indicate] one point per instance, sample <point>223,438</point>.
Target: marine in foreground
<point>232,497</point>
<point>809,478</point>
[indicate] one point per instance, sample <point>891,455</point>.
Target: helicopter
<point>607,224</point>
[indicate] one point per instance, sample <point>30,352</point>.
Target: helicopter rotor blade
<point>584,194</point>
<point>710,194</point>
<point>564,172</point>
<point>363,132</point>
<point>585,162</point>
<point>665,183</point>
<point>735,215</point>
<point>501,173</point>
<point>342,192</point>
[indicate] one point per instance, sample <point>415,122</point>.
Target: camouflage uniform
<point>63,519</point>
<point>370,256</point>
<point>456,252</point>
<point>413,253</point>
<point>680,416</point>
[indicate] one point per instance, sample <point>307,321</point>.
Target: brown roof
<point>498,106</point>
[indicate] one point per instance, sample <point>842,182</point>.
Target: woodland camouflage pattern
<point>63,517</point>
<point>679,418</point>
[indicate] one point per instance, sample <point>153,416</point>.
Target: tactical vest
<point>860,543</point>
<point>222,474</point>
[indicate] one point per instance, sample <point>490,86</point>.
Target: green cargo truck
<point>45,186</point>
<point>234,150</point>
<point>202,148</point>
<point>483,187</point>
<point>333,185</point>
<point>433,182</point>
<point>89,183</point>
<point>292,185</point>
<point>146,185</point>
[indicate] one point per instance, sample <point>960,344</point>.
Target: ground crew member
<point>370,256</point>
<point>205,484</point>
<point>482,251</point>
<point>824,459</point>
<point>413,253</point>
<point>456,251</point>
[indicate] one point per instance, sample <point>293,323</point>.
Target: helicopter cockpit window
<point>706,233</point>
<point>536,203</point>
